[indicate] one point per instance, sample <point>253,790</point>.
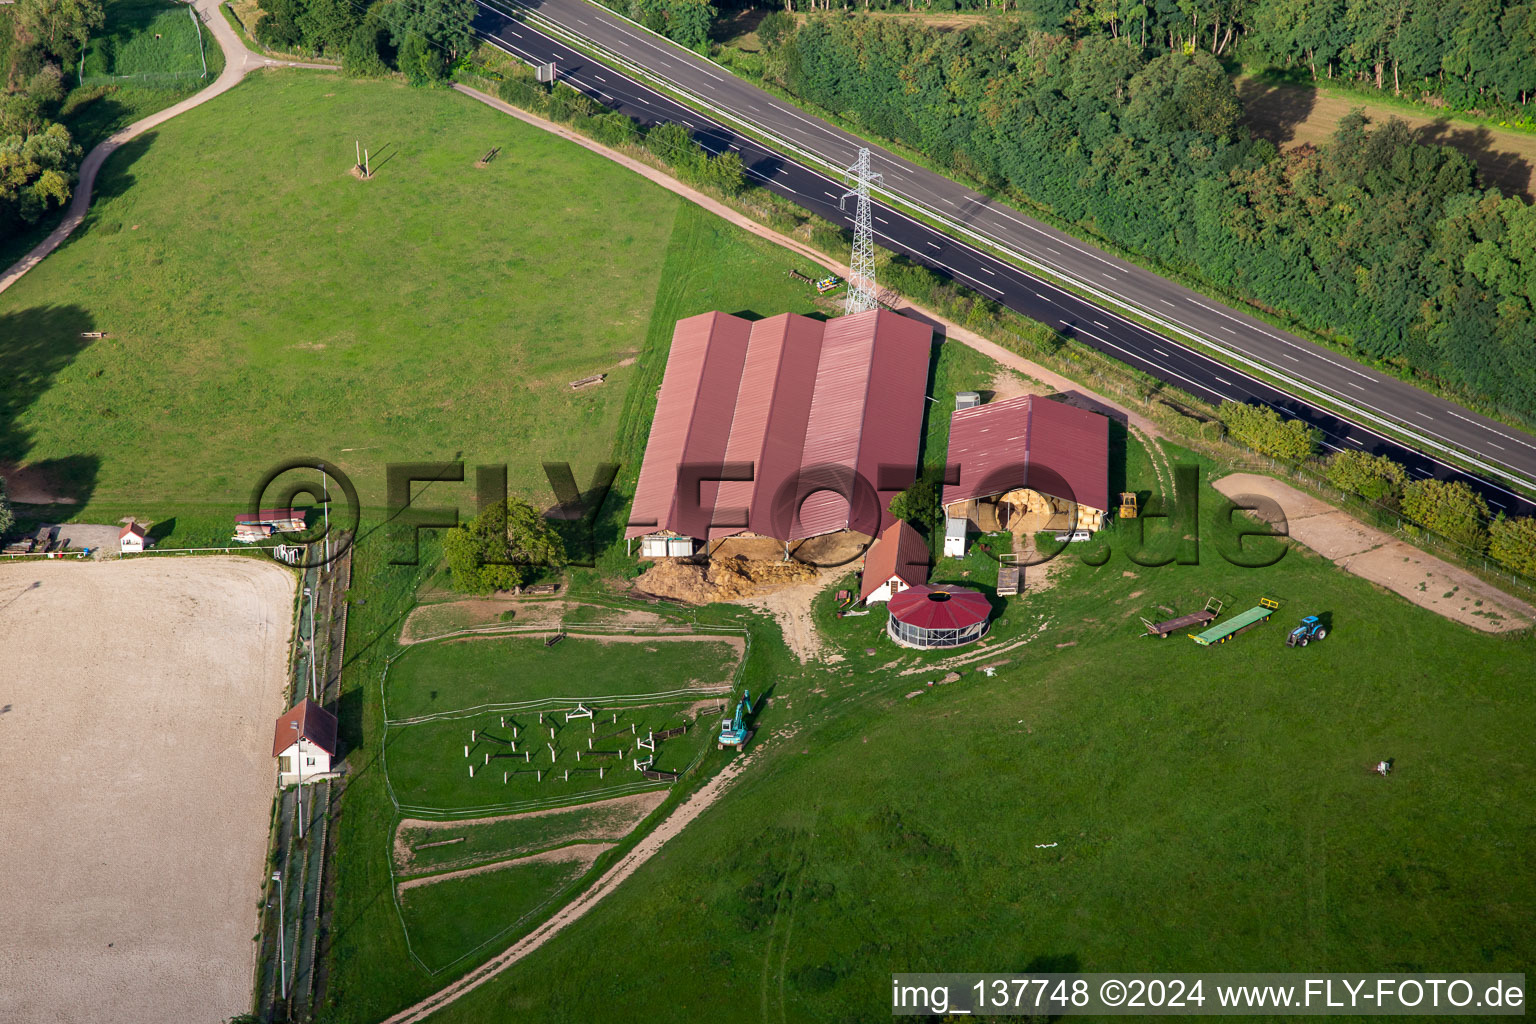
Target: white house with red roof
<point>304,742</point>
<point>132,538</point>
<point>898,559</point>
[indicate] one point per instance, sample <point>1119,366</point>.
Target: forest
<point>1469,54</point>
<point>38,158</point>
<point>1383,244</point>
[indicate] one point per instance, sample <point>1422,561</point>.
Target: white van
<point>1075,535</point>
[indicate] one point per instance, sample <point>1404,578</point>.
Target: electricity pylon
<point>861,265</point>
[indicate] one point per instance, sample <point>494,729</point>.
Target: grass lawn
<point>450,918</point>
<point>1211,807</point>
<point>263,304</point>
<point>445,676</point>
<point>482,840</point>
<point>150,39</point>
<point>429,770</point>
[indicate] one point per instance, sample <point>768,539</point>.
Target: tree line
<point>421,39</point>
<point>38,158</point>
<point>1468,53</point>
<point>1384,244</point>
<point>1448,508</point>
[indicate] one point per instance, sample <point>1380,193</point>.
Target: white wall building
<point>304,742</point>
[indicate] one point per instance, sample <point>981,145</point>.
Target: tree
<point>501,547</point>
<point>35,172</point>
<point>62,26</point>
<point>7,517</point>
<point>429,36</point>
<point>919,504</point>
<point>1512,543</point>
<point>1373,477</point>
<point>725,173</point>
<point>1265,430</point>
<point>1449,508</point>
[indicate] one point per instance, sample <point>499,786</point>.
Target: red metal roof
<point>1030,442</point>
<point>316,725</point>
<point>940,606</point>
<point>811,406</point>
<point>899,552</point>
<point>267,515</point>
<point>133,528</point>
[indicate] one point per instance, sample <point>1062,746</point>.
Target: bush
<point>919,504</point>
<point>1265,430</point>
<point>501,547</point>
<point>1373,477</point>
<point>1512,543</point>
<point>1449,508</point>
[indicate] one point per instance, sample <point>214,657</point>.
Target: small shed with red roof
<point>898,559</point>
<point>304,742</point>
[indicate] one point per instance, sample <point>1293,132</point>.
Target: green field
<point>450,918</point>
<point>446,676</point>
<point>485,840</point>
<point>150,40</point>
<point>263,304</point>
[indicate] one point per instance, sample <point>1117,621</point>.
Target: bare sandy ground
<point>1425,580</point>
<point>136,713</point>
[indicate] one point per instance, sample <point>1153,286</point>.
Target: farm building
<point>1028,464</point>
<point>304,741</point>
<point>131,538</point>
<point>251,527</point>
<point>782,429</point>
<point>898,559</point>
<point>938,615</point>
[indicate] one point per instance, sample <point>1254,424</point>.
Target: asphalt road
<point>1071,315</point>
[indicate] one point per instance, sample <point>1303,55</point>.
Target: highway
<point>1098,324</point>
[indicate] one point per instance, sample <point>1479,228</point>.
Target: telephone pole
<point>862,294</point>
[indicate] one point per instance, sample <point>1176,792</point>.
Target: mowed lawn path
<point>261,303</point>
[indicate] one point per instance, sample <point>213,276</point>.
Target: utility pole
<point>282,945</point>
<point>299,739</point>
<point>862,294</point>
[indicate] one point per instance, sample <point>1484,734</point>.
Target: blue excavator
<point>733,731</point>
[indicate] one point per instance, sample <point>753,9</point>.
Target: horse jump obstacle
<point>582,711</point>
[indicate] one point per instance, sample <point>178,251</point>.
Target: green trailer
<point>1237,624</point>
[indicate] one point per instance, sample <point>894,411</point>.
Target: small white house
<point>898,559</point>
<point>131,538</point>
<point>304,742</point>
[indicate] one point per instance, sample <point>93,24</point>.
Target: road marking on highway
<point>1100,323</point>
<point>1423,414</point>
<point>829,195</point>
<point>1039,296</point>
<point>988,270</point>
<point>1167,303</point>
<point>1354,440</point>
<point>882,220</point>
<point>1352,384</point>
<point>1500,447</point>
<point>1106,276</point>
<point>1160,352</point>
<point>1290,357</point>
<point>929,244</point>
<point>1220,381</point>
<point>600,78</point>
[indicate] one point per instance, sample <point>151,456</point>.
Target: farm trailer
<point>1168,627</point>
<point>1239,623</point>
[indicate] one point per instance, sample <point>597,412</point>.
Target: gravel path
<point>238,60</point>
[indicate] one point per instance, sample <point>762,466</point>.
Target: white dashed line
<point>1160,352</point>
<point>1351,439</point>
<point>984,270</point>
<point>1423,414</point>
<point>1220,381</point>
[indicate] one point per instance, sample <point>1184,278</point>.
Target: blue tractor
<point>733,731</point>
<point>1311,628</point>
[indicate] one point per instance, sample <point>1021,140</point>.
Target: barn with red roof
<point>1028,464</point>
<point>787,428</point>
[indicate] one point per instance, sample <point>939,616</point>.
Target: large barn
<point>1028,464</point>
<point>814,426</point>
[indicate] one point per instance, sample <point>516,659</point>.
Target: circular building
<point>938,615</point>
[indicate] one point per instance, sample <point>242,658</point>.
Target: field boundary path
<point>238,60</point>
<point>573,911</point>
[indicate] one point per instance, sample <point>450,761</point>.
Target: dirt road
<point>136,715</point>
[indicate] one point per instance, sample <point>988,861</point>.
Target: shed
<point>938,615</point>
<point>954,536</point>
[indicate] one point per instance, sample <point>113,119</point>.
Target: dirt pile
<point>723,579</point>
